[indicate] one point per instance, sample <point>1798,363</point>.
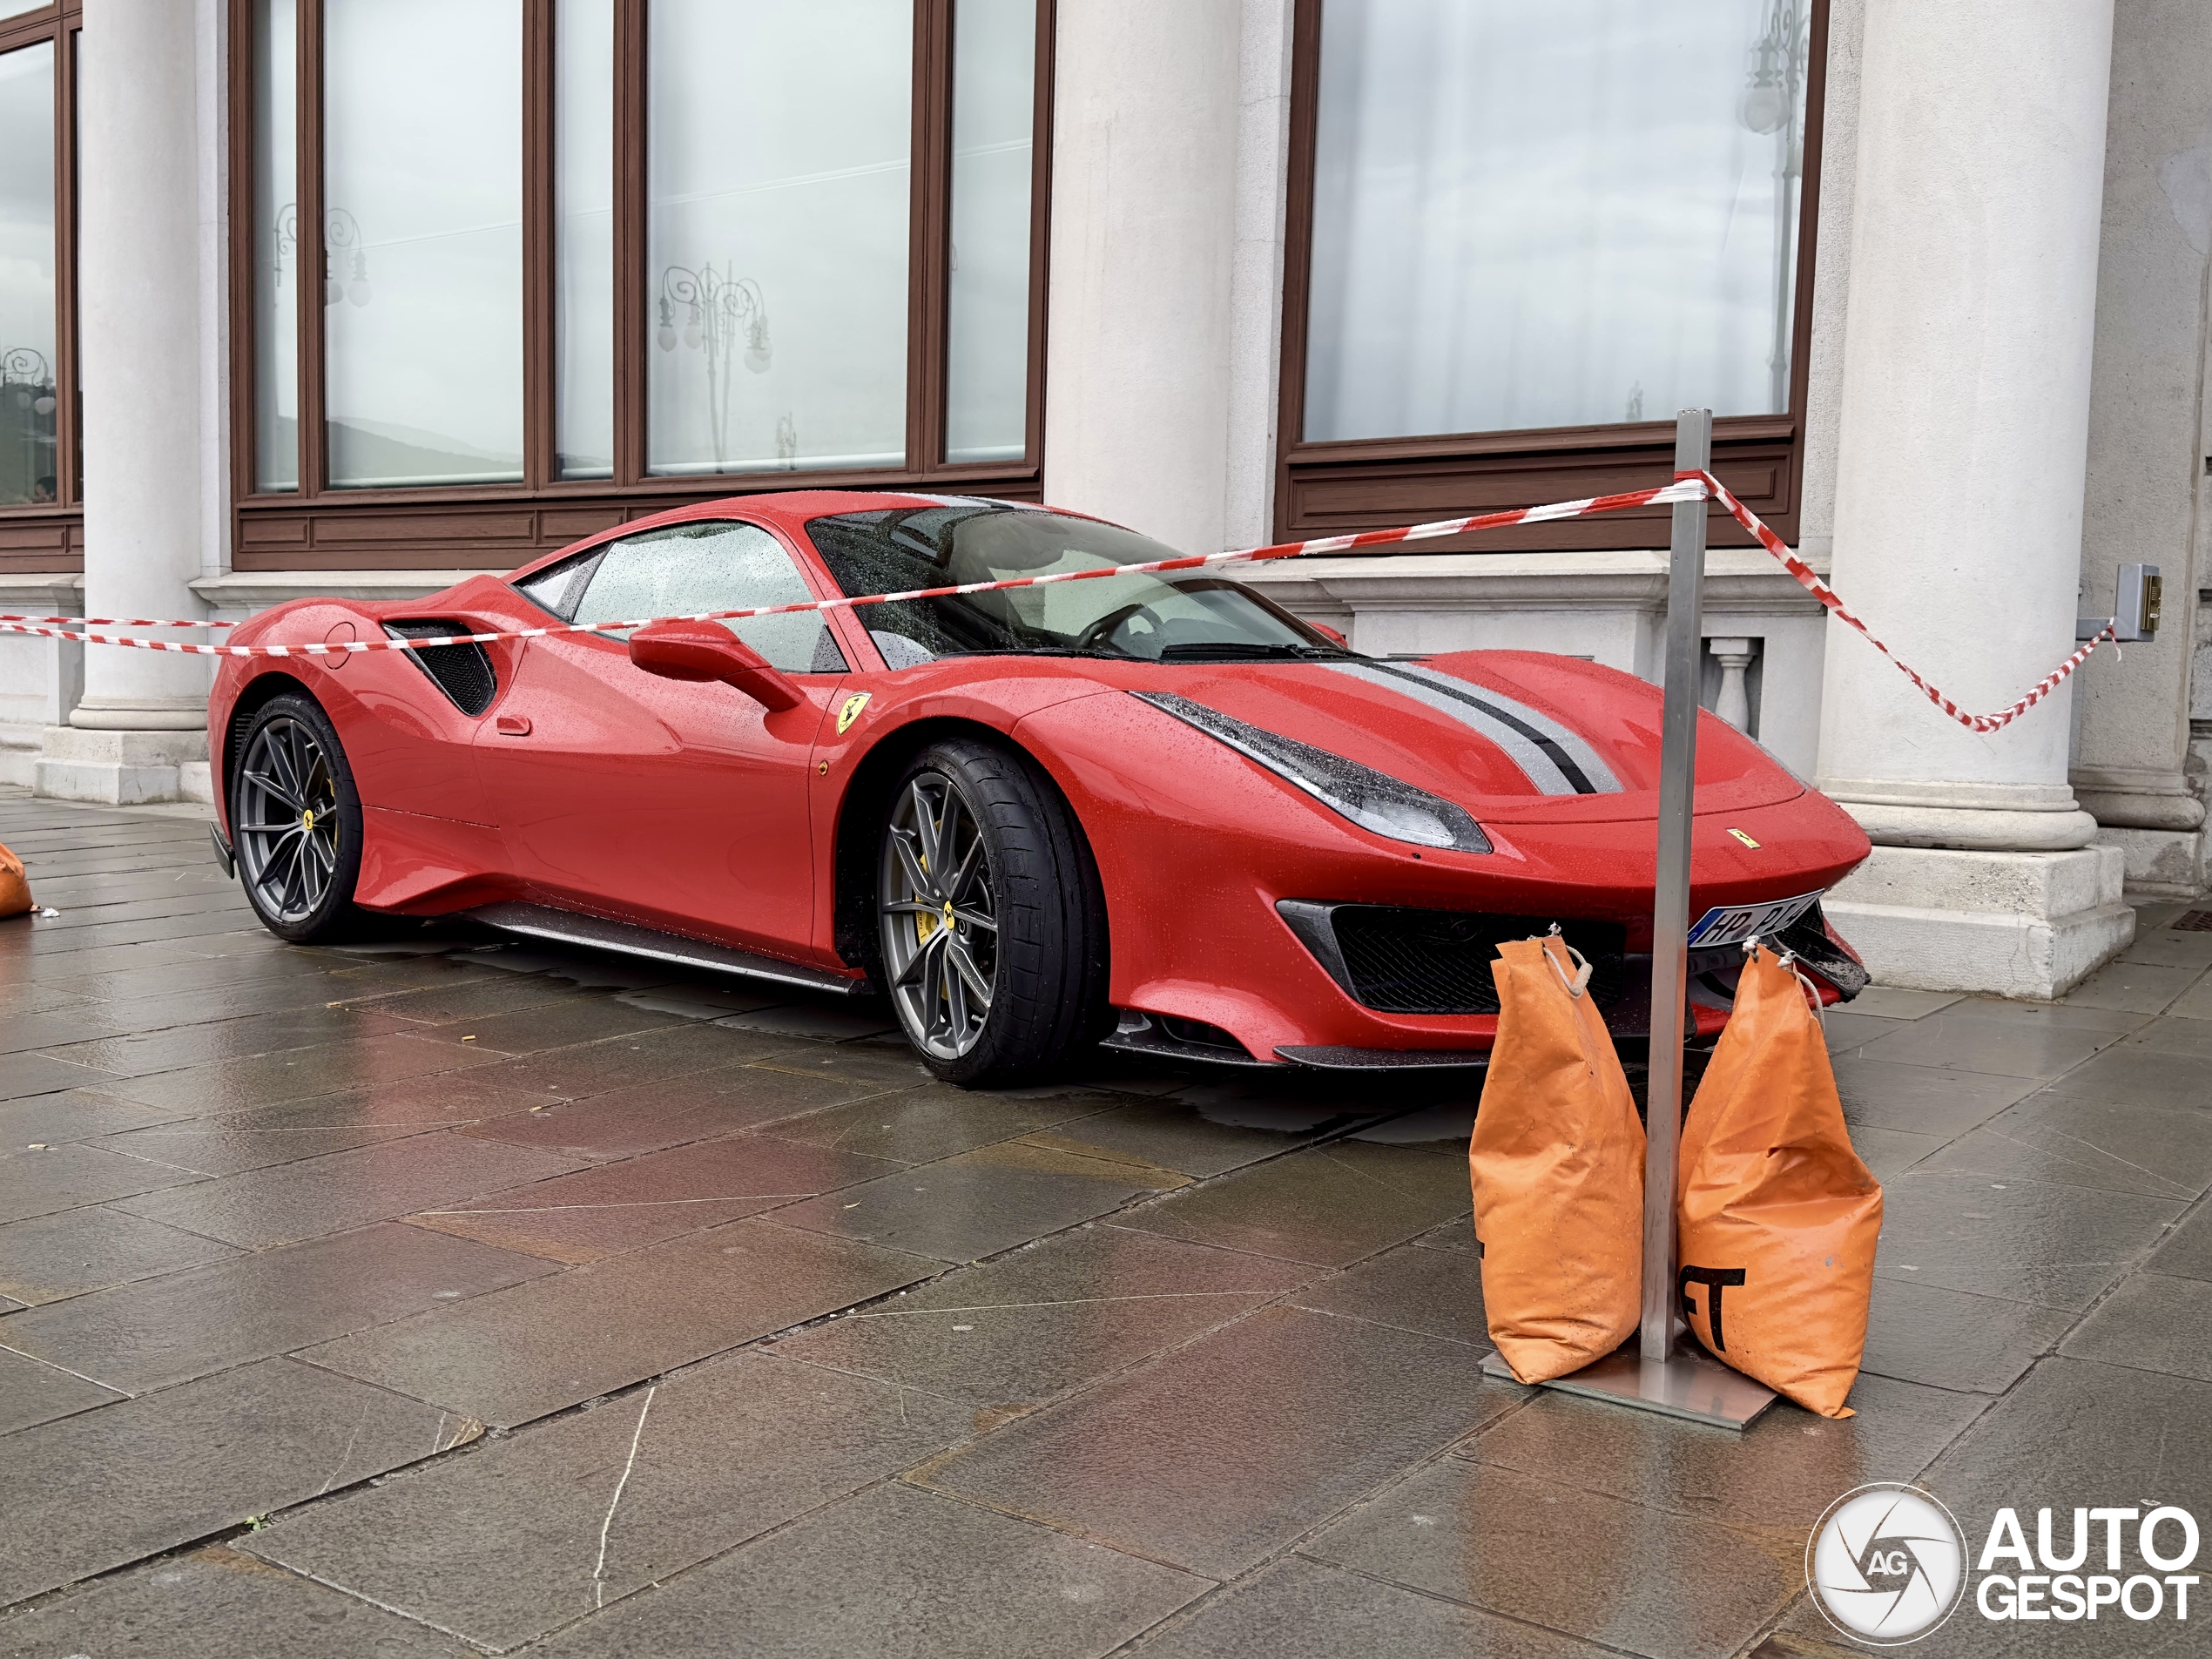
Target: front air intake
<point>463,673</point>
<point>1399,960</point>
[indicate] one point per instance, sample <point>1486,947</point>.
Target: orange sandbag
<point>1777,1217</point>
<point>1557,1163</point>
<point>15,891</point>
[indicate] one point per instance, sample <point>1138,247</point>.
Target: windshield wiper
<point>1251,648</point>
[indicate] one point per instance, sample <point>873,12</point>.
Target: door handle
<point>513,725</point>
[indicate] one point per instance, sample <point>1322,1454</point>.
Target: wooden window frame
<point>1325,489</point>
<point>50,537</point>
<point>470,526</point>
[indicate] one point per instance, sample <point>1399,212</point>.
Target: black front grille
<point>463,673</point>
<point>1405,961</point>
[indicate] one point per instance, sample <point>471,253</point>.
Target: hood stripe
<point>1556,760</point>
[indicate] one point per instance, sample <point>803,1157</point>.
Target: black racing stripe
<point>1560,757</point>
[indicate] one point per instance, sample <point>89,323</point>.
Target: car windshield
<point>1186,617</point>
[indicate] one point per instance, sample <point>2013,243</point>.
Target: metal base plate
<point>1691,1384</point>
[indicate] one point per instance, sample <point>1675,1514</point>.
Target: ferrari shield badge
<point>850,712</point>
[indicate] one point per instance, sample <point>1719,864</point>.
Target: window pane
<point>713,566</point>
<point>779,154</point>
<point>1579,213</point>
<point>276,253</point>
<point>583,208</point>
<point>422,182</point>
<point>987,369</point>
<point>29,468</point>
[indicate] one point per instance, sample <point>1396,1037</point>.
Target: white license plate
<point>1733,924</point>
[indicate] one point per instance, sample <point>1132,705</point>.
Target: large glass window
<point>30,358</point>
<point>987,382</point>
<point>589,252</point>
<point>1582,215</point>
<point>779,157</point>
<point>422,237</point>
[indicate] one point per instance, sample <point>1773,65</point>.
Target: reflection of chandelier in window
<point>341,242</point>
<point>717,309</point>
<point>26,380</point>
<point>1769,108</point>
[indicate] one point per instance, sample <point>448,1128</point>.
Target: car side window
<point>683,569</point>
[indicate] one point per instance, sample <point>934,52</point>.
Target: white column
<point>142,128</point>
<point>1139,319</point>
<point>1964,428</point>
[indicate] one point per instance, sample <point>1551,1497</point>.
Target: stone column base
<point>2162,863</point>
<point>2030,924</point>
<point>122,768</point>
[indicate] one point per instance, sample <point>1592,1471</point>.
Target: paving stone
<point>1847,1032</point>
<point>1330,1205</point>
<point>1954,1041</point>
<point>1455,1234</point>
<point>614,1207</point>
<point>2119,1146</point>
<point>2153,1322</point>
<point>231,1143</point>
<point>1004,1336</point>
<point>2134,986</point>
<point>892,1065</point>
<point>157,1332</point>
<point>1892,1002</point>
<point>819,1017</point>
<point>343,1190</point>
<point>1167,1133</point>
<point>1215,1456</point>
<point>896,1574</point>
<point>919,1125</point>
<point>478,994</point>
<point>1922,1100</point>
<point>2191,1037</point>
<point>270,1080</point>
<point>1890,1152</point>
<point>1781,1472</point>
<point>1301,1609</point>
<point>104,1488</point>
<point>217,1603</point>
<point>1946,1338</point>
<point>2047,1016</point>
<point>38,1182</point>
<point>697,1106</point>
<point>2187,1250</point>
<point>709,1001</point>
<point>34,1073</point>
<point>980,1203</point>
<point>72,1114</point>
<point>502,1545</point>
<point>2196,1003</point>
<point>1445,1129</point>
<point>554,1025</point>
<point>32,1393</point>
<point>51,1258</point>
<point>522,1352</point>
<point>2020,1241</point>
<point>2164,947</point>
<point>2142,1076</point>
<point>680,1047</point>
<point>1436,1292</point>
<point>1537,1549</point>
<point>173,1047</point>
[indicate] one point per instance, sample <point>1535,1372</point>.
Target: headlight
<point>1373,800</point>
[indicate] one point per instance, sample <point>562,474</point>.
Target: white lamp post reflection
<point>1770,108</point>
<point>718,309</point>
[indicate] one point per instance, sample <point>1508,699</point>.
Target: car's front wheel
<point>990,919</point>
<point>296,822</point>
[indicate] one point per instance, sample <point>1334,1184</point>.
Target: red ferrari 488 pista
<point>1154,811</point>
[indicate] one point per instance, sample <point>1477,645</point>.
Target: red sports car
<point>1157,812</point>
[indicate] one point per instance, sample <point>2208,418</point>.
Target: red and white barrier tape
<point>1810,581</point>
<point>1688,486</point>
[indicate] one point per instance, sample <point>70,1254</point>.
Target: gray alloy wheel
<point>937,917</point>
<point>286,820</point>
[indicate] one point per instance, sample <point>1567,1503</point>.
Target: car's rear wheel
<point>990,919</point>
<point>296,822</point>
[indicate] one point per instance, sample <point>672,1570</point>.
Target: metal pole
<point>1670,890</point>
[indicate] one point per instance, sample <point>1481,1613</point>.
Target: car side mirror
<point>707,650</point>
<point>1323,628</point>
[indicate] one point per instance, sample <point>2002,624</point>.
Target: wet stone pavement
<point>442,1296</point>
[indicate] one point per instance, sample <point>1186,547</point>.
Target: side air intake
<point>463,673</point>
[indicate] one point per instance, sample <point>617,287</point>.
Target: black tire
<point>299,877</point>
<point>1045,958</point>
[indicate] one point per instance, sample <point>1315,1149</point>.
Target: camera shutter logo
<point>1886,1564</point>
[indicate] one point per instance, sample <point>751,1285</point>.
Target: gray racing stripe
<point>1555,760</point>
